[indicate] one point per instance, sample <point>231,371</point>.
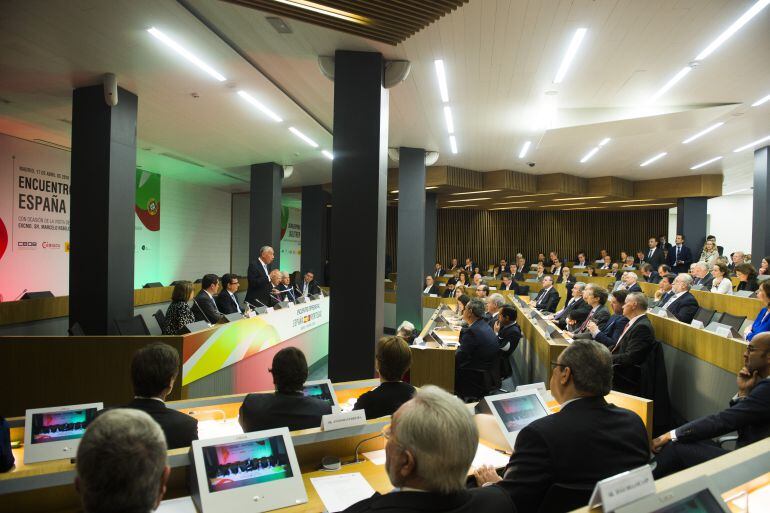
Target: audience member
<point>738,258</point>
<point>462,300</point>
<point>581,261</point>
<point>602,255</point>
<point>595,297</point>
<point>462,278</point>
<point>720,283</point>
<point>309,287</point>
<point>154,369</point>
<point>575,302</point>
<point>654,255</point>
<point>178,313</point>
<point>591,270</point>
<point>679,256</point>
<point>226,301</point>
<point>610,333</point>
<point>477,351</point>
<point>567,279</point>
<point>429,287</point>
<point>664,292</point>
<point>649,275</point>
<point>574,320</point>
<point>392,360</point>
<point>449,289</point>
<point>477,280</point>
<point>275,284</point>
<point>121,463</point>
<point>430,445</point>
<point>623,257</point>
<point>509,284</point>
<point>286,289</point>
<point>682,304</point>
<point>540,270</point>
<point>454,266</point>
<point>631,284</point>
<point>701,275</point>
<point>709,254</point>
<point>664,244</point>
<point>607,262</point>
<point>406,330</point>
<point>548,298</point>
<point>508,336</point>
<point>259,278</point>
<point>629,264</point>
<point>763,267</point>
<point>204,307</point>
<point>762,322</point>
<point>482,291</point>
<point>469,265</point>
<point>747,277</point>
<point>635,343</point>
<point>493,304</point>
<point>287,407</point>
<point>614,272</point>
<point>748,414</point>
<point>586,441</point>
<point>438,270</point>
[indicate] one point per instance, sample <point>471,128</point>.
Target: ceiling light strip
<point>475,192</point>
<point>256,103</point>
<point>450,124</point>
<point>653,159</point>
<point>676,78</point>
<point>442,84</point>
<point>453,144</point>
<point>706,163</point>
<point>703,132</point>
<point>590,154</point>
<point>732,29</point>
<point>302,136</point>
<point>525,149</point>
<point>467,199</point>
<point>574,45</point>
<point>185,53</point>
<point>761,101</point>
<point>327,154</point>
<point>326,11</point>
<point>752,144</point>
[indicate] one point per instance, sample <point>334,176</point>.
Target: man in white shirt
<point>607,262</point>
<point>259,280</point>
<point>430,287</point>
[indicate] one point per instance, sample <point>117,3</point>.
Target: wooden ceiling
<point>388,21</point>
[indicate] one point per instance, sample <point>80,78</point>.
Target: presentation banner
<point>34,218</point>
<point>291,239</point>
<point>146,228</point>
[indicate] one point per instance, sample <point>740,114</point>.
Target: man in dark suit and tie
<point>587,441</point>
<point>478,351</point>
<point>226,300</point>
<point>204,307</point>
<point>654,255</point>
<point>455,266</point>
<point>630,278</point>
<point>682,304</point>
<point>649,274</point>
<point>595,298</point>
<point>610,333</point>
<point>664,292</point>
<point>748,414</point>
<point>259,278</point>
<point>606,262</point>
<point>508,284</point>
<point>548,298</point>
<point>154,369</point>
<point>701,276</point>
<point>679,256</point>
<point>576,302</point>
<point>635,343</point>
<point>470,265</point>
<point>275,297</point>
<point>438,270</point>
<point>429,287</point>
<point>309,287</point>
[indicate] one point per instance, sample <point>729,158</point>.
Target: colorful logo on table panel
<point>147,206</point>
<point>3,238</point>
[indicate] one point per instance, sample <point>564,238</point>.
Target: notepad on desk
<point>341,491</point>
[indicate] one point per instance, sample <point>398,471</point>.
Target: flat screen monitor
<point>55,433</point>
<point>248,472</point>
<point>698,496</point>
<point>321,389</point>
<point>514,411</point>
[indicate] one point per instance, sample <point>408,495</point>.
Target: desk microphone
<point>258,301</point>
<point>202,312</point>
<point>302,294</point>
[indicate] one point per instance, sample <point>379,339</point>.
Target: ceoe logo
<point>3,238</point>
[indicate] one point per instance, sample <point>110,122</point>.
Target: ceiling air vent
<point>278,24</point>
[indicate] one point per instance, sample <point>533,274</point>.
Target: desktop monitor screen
<point>696,496</point>
<point>55,433</point>
<point>321,389</point>
<point>514,411</point>
<point>246,463</point>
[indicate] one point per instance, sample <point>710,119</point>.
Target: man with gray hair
<point>682,304</point>
<point>631,280</point>
<point>494,303</point>
<point>259,278</point>
<point>430,446</point>
<point>701,276</point>
<point>587,441</point>
<point>477,354</point>
<point>575,303</point>
<point>635,343</point>
<point>121,463</point>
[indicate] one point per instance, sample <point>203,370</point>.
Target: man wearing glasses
<point>226,301</point>
<point>749,414</point>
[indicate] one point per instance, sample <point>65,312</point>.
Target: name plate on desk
<point>697,324</point>
<point>724,331</point>
<point>624,488</point>
<point>342,420</point>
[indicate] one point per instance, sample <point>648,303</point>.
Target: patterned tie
<point>621,337</point>
<point>585,323</point>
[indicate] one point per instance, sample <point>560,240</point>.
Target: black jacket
<point>513,286</point>
<point>259,284</point>
<point>227,304</point>
<point>486,500</point>
<point>654,277</point>
<point>385,399</point>
<point>576,305</point>
<point>547,301</point>
<point>610,333</point>
<point>205,309</point>
<point>706,281</point>
<point>629,355</point>
<point>684,308</point>
<point>292,410</point>
<point>478,347</point>
<point>752,285</point>
<point>587,441</point>
<point>312,288</point>
<point>749,416</point>
<point>634,288</point>
<point>433,289</point>
<point>657,258</point>
<point>685,255</point>
<point>180,429</point>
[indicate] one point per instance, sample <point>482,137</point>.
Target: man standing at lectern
<point>259,281</point>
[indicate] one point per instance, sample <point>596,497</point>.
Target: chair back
<point>160,317</point>
<point>562,497</point>
<point>704,315</point>
<point>734,321</point>
<point>523,290</point>
<point>133,326</point>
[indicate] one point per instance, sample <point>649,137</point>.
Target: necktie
<point>304,290</point>
<point>650,255</point>
<point>621,336</point>
<point>236,303</point>
<point>585,323</point>
<point>677,253</point>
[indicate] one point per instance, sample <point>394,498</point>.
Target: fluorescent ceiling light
<point>394,192</point>
<point>514,202</point>
<point>752,144</point>
<point>732,29</point>
<point>706,163</point>
<point>653,159</point>
<point>431,187</point>
<point>302,136</point>
<point>604,141</point>
<point>530,195</point>
<point>326,10</point>
<point>625,201</point>
<point>648,205</point>
<point>573,199</point>
<point>185,53</point>
<point>467,199</point>
<point>272,115</point>
<point>762,100</point>
<point>453,144</point>
<point>589,154</point>
<point>525,149</point>
<point>563,205</point>
<point>441,75</point>
<point>703,132</point>
<point>460,206</point>
<point>327,154</point>
<point>572,49</point>
<point>676,78</point>
<point>450,124</point>
<point>508,208</point>
<point>475,192</point>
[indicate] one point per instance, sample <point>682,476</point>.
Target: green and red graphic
<point>284,220</point>
<point>147,205</point>
<point>3,238</point>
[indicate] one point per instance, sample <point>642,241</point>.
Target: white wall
<point>730,221</point>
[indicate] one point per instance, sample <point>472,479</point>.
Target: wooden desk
<point>748,307</point>
<point>541,350</point>
<point>434,364</point>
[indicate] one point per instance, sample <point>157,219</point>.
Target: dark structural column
<point>265,210</point>
<point>411,235</point>
<point>314,200</point>
<point>691,222</point>
<point>431,222</point>
<point>359,182</point>
<point>103,185</point>
<point>760,232</point>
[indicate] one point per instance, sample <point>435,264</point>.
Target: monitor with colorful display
<point>696,496</point>
<point>55,433</point>
<point>514,411</point>
<point>321,389</point>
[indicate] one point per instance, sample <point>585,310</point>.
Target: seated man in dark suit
<point>493,305</point>
<point>701,276</point>
<point>748,414</point>
<point>650,276</point>
<point>509,284</point>
<point>478,351</point>
<point>449,290</point>
<point>508,338</point>
<point>682,304</point>
<point>438,270</point>
<point>595,297</point>
<point>664,292</point>
<point>286,289</point>
<point>392,360</point>
<point>587,441</point>
<point>154,370</point>
<point>548,298</point>
<point>576,302</point>
<point>610,333</point>
<point>309,287</point>
<point>429,448</point>
<point>429,287</point>
<point>204,307</point>
<point>226,300</point>
<point>275,290</point>
<point>287,407</point>
<point>635,343</point>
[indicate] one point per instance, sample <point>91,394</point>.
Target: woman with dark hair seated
<point>762,322</point>
<point>764,267</point>
<point>287,407</point>
<point>747,276</point>
<point>392,359</point>
<point>179,314</point>
<point>462,300</point>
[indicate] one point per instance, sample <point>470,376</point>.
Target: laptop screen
<point>246,463</point>
<point>319,391</point>
<point>63,425</point>
<point>518,411</point>
<point>700,502</point>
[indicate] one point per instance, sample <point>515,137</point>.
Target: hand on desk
<point>658,443</point>
<point>486,474</point>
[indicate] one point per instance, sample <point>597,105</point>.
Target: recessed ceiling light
<point>453,144</point>
<point>302,136</point>
<point>185,53</point>
<point>653,159</point>
<point>625,201</point>
<point>525,149</point>
<point>326,10</point>
<point>732,29</point>
<point>327,154</point>
<point>269,113</point>
<point>441,75</point>
<point>467,199</point>
<point>703,132</point>
<point>648,205</point>
<point>752,144</point>
<point>513,202</point>
<point>761,101</point>
<point>589,154</point>
<point>573,199</point>
<point>530,195</point>
<point>676,78</point>
<point>706,163</point>
<point>475,192</point>
<point>450,124</point>
<point>574,44</point>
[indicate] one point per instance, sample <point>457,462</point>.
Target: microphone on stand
<point>202,312</point>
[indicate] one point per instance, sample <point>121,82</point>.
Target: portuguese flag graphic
<point>147,205</point>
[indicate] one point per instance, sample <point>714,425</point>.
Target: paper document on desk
<point>488,456</point>
<point>376,457</point>
<point>341,491</point>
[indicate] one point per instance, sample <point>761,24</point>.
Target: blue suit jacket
<point>478,347</point>
<point>684,308</point>
<point>684,254</point>
<point>610,334</point>
<point>760,324</point>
